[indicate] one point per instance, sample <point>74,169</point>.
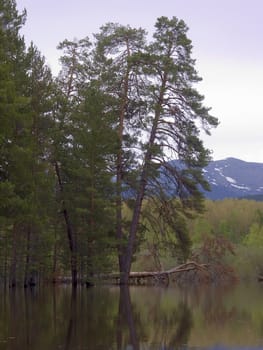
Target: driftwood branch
<point>191,265</point>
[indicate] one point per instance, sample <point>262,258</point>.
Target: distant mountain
<point>228,178</point>
<point>234,178</point>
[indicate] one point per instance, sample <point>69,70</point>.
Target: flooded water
<point>139,318</point>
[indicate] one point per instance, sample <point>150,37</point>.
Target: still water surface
<point>139,318</point>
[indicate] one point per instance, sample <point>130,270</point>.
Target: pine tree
<point>83,147</point>
<point>115,45</point>
<point>25,109</point>
<point>175,115</point>
<point>70,78</point>
<point>14,123</point>
<point>104,133</point>
<point>39,90</point>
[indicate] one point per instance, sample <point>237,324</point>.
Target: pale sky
<point>227,36</point>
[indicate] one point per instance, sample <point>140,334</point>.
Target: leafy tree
<point>231,218</point>
<point>254,238</point>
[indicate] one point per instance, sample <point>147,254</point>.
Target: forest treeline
<point>84,155</point>
<point>227,236</point>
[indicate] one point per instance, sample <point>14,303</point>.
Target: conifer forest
<point>85,154</point>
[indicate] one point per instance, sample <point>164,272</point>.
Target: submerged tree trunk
<point>30,274</point>
<point>70,233</point>
<point>12,274</point>
<point>26,277</point>
<point>6,262</point>
<point>55,260</point>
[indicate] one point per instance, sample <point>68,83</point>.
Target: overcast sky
<point>227,37</point>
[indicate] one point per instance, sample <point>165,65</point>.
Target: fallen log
<point>158,277</point>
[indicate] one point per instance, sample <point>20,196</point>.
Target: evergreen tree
<point>83,143</point>
<point>39,90</point>
<point>73,150</point>
<point>175,113</point>
<point>24,170</point>
<point>115,46</point>
<point>14,124</point>
<point>70,78</point>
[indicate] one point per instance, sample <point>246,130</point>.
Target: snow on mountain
<point>233,178</point>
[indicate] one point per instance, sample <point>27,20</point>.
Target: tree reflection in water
<point>136,318</point>
<point>72,321</point>
<point>152,328</point>
<point>126,321</point>
<point>99,318</point>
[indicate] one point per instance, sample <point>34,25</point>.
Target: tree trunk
<point>124,277</point>
<point>124,274</point>
<point>5,262</point>
<point>26,277</point>
<point>119,174</point>
<point>12,275</point>
<point>70,233</point>
<point>30,276</point>
<point>55,261</point>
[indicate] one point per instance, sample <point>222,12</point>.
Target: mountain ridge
<point>233,178</point>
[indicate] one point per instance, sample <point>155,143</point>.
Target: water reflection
<point>164,330</point>
<point>132,319</point>
<point>126,332</point>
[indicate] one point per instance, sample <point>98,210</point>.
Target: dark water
<point>103,318</point>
